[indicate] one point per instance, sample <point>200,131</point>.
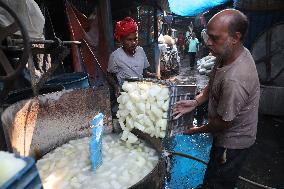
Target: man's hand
<point>158,76</point>
<point>184,106</point>
<point>191,131</point>
<point>188,131</point>
<point>151,75</point>
<point>117,91</point>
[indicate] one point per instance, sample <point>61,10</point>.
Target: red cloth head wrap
<point>125,27</point>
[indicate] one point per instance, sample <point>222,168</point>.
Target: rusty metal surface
<point>36,126</point>
<point>156,178</point>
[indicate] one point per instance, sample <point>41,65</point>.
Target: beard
<point>130,49</point>
<point>224,56</point>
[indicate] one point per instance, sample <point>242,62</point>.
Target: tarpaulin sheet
<point>193,7</point>
<point>188,173</point>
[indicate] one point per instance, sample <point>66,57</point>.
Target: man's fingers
<point>182,103</point>
<point>189,131</point>
<point>179,103</point>
<point>176,117</point>
<point>175,113</point>
<point>176,110</point>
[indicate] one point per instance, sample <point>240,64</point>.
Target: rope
<point>167,153</point>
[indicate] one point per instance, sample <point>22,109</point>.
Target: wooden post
<point>155,24</point>
<point>106,29</point>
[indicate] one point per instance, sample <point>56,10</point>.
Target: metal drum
<point>36,126</point>
<point>268,53</point>
<point>70,80</point>
<point>18,95</point>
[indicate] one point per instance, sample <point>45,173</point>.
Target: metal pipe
<point>42,41</point>
<point>187,156</point>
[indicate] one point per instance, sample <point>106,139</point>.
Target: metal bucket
<point>26,93</point>
<point>36,126</point>
<point>77,80</point>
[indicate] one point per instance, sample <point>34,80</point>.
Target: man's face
<point>130,42</point>
<point>219,41</point>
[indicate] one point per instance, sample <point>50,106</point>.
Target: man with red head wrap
<point>130,59</point>
<point>125,27</point>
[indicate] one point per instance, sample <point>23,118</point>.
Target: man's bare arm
<point>111,78</point>
<point>147,73</point>
<point>214,125</point>
<point>203,96</point>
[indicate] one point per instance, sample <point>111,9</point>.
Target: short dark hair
<point>239,23</point>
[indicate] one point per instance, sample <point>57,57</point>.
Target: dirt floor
<point>265,164</point>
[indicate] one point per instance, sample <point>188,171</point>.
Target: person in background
<point>33,20</point>
<point>191,27</point>
<point>186,44</point>
<point>233,92</point>
<point>203,49</point>
<point>180,44</point>
<point>130,59</point>
<point>192,49</point>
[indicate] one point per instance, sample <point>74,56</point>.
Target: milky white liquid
<point>69,166</point>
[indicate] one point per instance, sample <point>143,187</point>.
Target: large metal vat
<point>271,100</point>
<point>35,126</point>
<point>268,53</point>
<point>18,95</point>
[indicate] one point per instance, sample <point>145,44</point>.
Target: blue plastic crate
<point>27,178</point>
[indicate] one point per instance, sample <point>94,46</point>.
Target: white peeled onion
<point>144,106</point>
<point>124,164</point>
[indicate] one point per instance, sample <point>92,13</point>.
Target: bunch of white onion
<point>144,106</point>
<point>9,166</point>
<point>69,166</point>
<point>206,64</point>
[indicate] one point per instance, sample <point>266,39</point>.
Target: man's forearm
<point>112,79</point>
<point>146,73</point>
<point>214,125</point>
<point>203,96</point>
